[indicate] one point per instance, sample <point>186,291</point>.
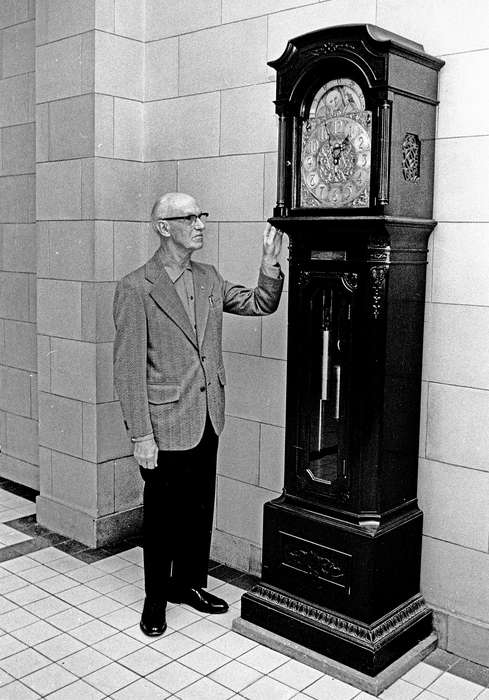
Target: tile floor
<point>69,629</point>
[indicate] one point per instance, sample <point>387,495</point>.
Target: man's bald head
<point>173,204</point>
<point>179,222</point>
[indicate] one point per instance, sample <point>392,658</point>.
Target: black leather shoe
<point>153,618</point>
<point>199,599</point>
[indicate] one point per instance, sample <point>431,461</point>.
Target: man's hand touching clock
<point>272,244</point>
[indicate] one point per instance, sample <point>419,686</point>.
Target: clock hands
<point>337,149</point>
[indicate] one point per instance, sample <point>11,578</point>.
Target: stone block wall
<point>454,466</point>
<point>18,356</point>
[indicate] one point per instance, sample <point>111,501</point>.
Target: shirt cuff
<point>271,270</point>
<point>143,437</point>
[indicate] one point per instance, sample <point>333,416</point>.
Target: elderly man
<point>169,375</point>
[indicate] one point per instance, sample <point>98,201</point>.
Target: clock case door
<point>326,326</point>
<point>324,367</point>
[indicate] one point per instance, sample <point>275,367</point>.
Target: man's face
<point>187,234</point>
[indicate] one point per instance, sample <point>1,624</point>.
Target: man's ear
<point>162,228</point>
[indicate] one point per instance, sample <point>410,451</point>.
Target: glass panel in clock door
<point>331,328</point>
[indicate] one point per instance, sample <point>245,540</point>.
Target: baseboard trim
<point>85,527</point>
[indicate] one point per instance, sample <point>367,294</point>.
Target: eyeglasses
<point>191,218</point>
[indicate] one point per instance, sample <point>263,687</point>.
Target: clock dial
<point>336,148</point>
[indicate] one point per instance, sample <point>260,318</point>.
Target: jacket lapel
<point>202,289</point>
<point>165,295</point>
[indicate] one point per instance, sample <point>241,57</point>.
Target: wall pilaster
<point>18,367</point>
<point>90,211</point>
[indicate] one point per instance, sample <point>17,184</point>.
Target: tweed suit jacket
<point>168,376</point>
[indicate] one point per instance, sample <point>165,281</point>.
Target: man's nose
<point>199,224</point>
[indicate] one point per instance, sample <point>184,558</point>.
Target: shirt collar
<point>173,268</point>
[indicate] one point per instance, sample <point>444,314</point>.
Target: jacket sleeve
<point>130,358</point>
<point>259,301</point>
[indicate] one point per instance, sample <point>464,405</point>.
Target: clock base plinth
<point>367,650</point>
<point>346,590</point>
<point>374,685</point>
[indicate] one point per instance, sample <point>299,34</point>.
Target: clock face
<point>336,148</point>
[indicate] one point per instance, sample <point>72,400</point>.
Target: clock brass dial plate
<point>336,148</point>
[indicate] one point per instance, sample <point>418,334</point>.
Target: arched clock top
<point>366,39</point>
<point>365,47</point>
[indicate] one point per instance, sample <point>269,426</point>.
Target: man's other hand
<point>272,244</point>
<point>146,453</point>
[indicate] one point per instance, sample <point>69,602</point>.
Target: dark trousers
<point>178,507</point>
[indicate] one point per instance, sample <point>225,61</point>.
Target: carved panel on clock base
<point>357,570</point>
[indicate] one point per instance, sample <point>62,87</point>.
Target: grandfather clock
<point>342,544</point>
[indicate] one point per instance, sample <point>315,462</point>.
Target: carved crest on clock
<point>330,47</point>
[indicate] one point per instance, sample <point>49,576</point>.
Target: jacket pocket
<point>163,393</point>
<point>222,375</point>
